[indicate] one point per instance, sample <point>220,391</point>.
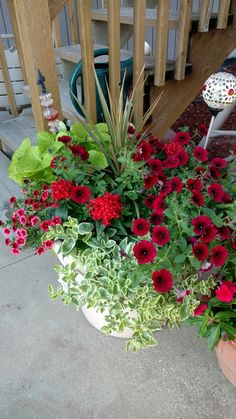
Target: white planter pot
<point>94,317</point>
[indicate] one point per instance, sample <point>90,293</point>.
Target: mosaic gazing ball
<point>219,91</point>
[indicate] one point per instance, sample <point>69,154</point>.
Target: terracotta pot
<point>226,354</point>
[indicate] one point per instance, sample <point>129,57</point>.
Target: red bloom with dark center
<point>197,198</point>
<point>162,280</point>
<point>219,255</point>
<point>55,220</point>
<point>215,190</point>
<point>209,233</point>
<point>226,199</point>
<point>159,204</point>
<point>160,235</point>
<point>230,284</point>
<point>161,178</point>
<point>200,310</point>
<point>215,173</point>
<point>40,250</point>
<point>131,129</point>
<point>140,227</point>
<point>176,184</point>
<point>224,232</point>
<point>199,223</point>
<point>194,185</point>
<point>12,200</point>
<point>80,194</point>
<point>182,138</point>
<point>219,163</point>
<point>155,165</point>
<point>203,130</point>
<point>148,201</point>
<point>145,150</point>
<point>145,252</point>
<point>156,144</point>
<point>171,162</point>
<point>224,293</point>
<point>200,154</point>
<point>156,218</point>
<point>166,188</point>
<point>200,251</point>
<point>65,139</point>
<point>105,208</point>
<point>45,225</point>
<point>36,193</point>
<point>36,206</point>
<point>79,151</point>
<point>150,180</point>
<point>61,189</point>
<point>183,157</point>
<point>199,170</point>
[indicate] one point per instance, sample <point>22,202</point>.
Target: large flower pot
<point>226,354</point>
<point>95,317</point>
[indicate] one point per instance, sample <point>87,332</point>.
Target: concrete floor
<point>54,365</point>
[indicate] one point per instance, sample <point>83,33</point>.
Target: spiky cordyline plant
<point>118,118</point>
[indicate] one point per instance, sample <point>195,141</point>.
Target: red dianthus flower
<point>105,208</point>
<point>144,252</point>
<point>162,280</point>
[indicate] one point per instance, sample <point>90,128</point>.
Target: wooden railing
<point>7,79</point>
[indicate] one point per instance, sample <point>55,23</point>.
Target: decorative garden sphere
<point>219,90</point>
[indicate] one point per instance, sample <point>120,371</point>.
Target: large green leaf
<point>78,130</point>
<point>97,159</point>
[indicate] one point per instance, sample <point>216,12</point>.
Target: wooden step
<point>68,110</point>
<point>14,130</point>
<point>127,17</point>
<point>8,187</point>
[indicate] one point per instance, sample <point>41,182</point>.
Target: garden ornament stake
<point>49,113</point>
<point>219,92</point>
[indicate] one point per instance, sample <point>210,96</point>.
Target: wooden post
<point>35,31</point>
<point>183,37</point>
<point>7,81</point>
<point>161,42</point>
<point>56,30</point>
<point>223,14</point>
<point>72,20</point>
<point>55,6</point>
<point>205,14</point>
<point>138,71</point>
<point>12,13</point>
<point>86,42</point>
<point>113,10</point>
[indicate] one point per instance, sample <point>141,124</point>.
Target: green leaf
<point>67,246</point>
<point>78,130</point>
<point>85,228</point>
<point>214,337</point>
<point>101,127</point>
<point>62,211</point>
<point>228,328</point>
<point>195,263</point>
<point>203,328</point>
<point>183,243</point>
<point>97,159</point>
<point>224,315</point>
<point>179,258</point>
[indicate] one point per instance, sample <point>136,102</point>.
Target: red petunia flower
<point>80,194</point>
<point>200,251</point>
<point>182,138</point>
<point>200,154</point>
<point>209,233</point>
<point>214,172</point>
<point>140,227</point>
<point>226,199</point>
<point>148,201</point>
<point>224,293</point>
<point>79,151</point>
<point>197,198</point>
<point>166,188</point>
<point>156,218</point>
<point>200,223</point>
<point>145,252</point>
<point>194,185</point>
<point>150,180</point>
<point>203,129</point>
<point>162,281</point>
<point>183,157</point>
<point>61,189</point>
<point>219,163</point>
<point>144,152</point>
<point>230,284</point>
<point>65,139</point>
<point>159,204</point>
<point>160,235</point>
<point>215,190</point>
<point>105,208</point>
<point>171,162</point>
<point>176,184</point>
<point>224,232</point>
<point>219,255</point>
<point>155,165</point>
<point>200,310</point>
<point>199,170</point>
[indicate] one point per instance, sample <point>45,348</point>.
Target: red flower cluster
<point>61,189</point>
<point>105,208</point>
